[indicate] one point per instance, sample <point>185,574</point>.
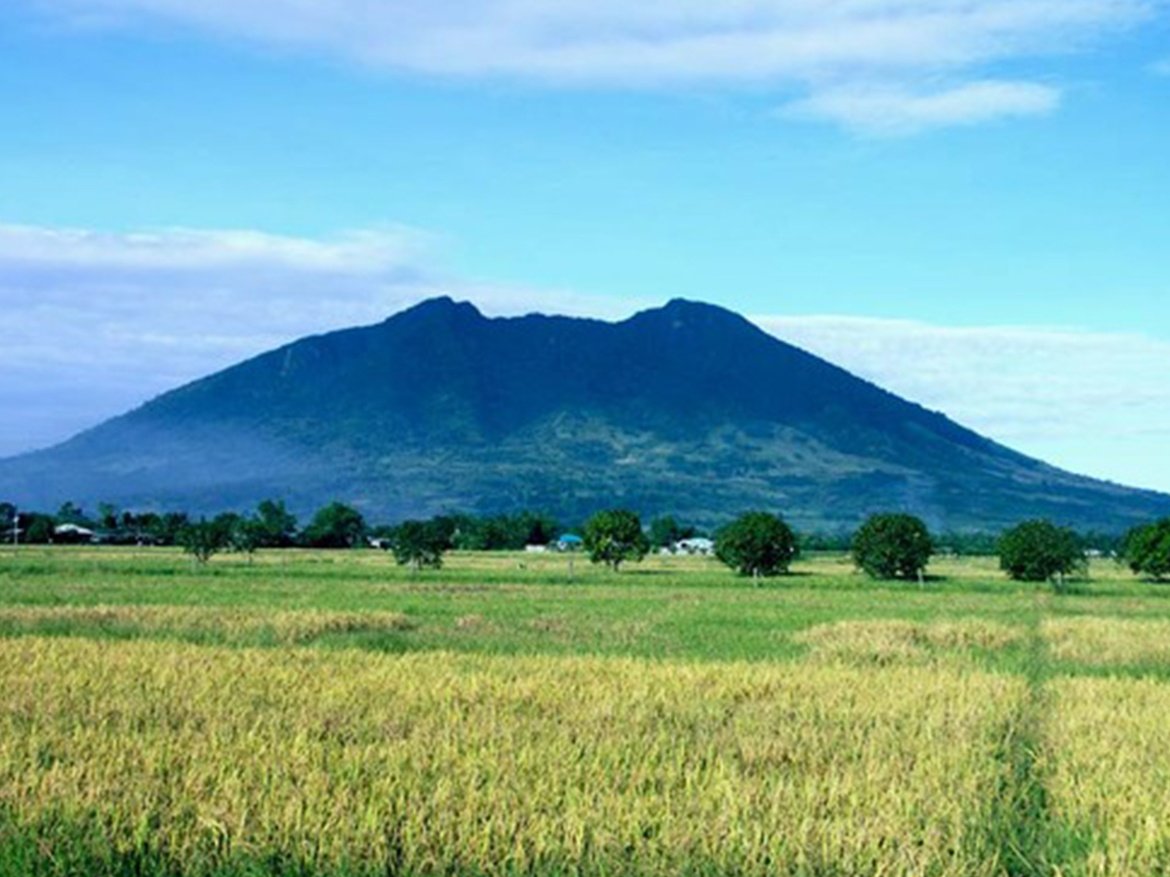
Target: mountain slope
<point>687,409</point>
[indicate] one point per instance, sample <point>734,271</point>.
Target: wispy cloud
<point>1092,402</point>
<point>95,323</point>
<point>92,323</point>
<point>892,111</point>
<point>1161,68</point>
<point>827,49</point>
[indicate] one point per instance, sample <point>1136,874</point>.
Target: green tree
<point>202,539</point>
<point>614,536</point>
<point>421,544</point>
<point>108,518</point>
<point>756,544</point>
<point>1147,549</point>
<point>164,529</point>
<point>69,513</point>
<point>892,545</point>
<point>244,534</point>
<point>665,531</point>
<point>335,526</point>
<point>38,528</point>
<point>277,527</point>
<point>1038,550</point>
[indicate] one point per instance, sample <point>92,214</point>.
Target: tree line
<point>757,543</point>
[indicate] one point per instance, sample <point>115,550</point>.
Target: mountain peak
<point>680,312</point>
<point>686,409</point>
<point>442,307</point>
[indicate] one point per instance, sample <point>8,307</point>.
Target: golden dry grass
<point>899,641</point>
<point>355,763</point>
<point>201,622</point>
<point>1107,771</point>
<point>1105,642</point>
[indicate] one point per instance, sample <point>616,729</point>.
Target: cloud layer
<point>94,324</point>
<point>1096,403</point>
<point>832,51</point>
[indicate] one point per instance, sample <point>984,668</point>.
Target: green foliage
<point>614,536</point>
<point>276,526</point>
<point>245,535</point>
<point>420,544</point>
<point>37,528</point>
<point>70,513</point>
<point>892,545</point>
<point>335,526</point>
<point>501,532</point>
<point>203,539</point>
<point>665,531</point>
<point>1147,549</point>
<point>1038,550</point>
<point>756,544</point>
<point>825,541</point>
<point>107,518</point>
<point>968,544</point>
<point>165,528</point>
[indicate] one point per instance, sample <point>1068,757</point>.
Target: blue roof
<point>570,537</point>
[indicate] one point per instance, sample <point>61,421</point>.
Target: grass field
<point>329,713</point>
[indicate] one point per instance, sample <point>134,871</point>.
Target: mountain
<point>687,409</point>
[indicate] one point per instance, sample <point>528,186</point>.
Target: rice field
<point>329,714</point>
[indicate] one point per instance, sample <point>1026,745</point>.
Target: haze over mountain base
<point>688,410</point>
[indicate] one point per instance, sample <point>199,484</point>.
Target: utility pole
<point>15,528</point>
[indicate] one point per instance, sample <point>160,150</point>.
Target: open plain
<point>331,713</point>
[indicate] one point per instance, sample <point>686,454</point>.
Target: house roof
<point>72,528</point>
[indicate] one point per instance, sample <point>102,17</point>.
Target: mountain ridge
<point>687,409</point>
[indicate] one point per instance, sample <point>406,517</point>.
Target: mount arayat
<point>687,409</point>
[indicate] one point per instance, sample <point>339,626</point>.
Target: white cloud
<point>825,48</point>
<point>893,111</point>
<point>1092,402</point>
<point>92,324</point>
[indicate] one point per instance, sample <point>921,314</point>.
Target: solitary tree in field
<point>420,543</point>
<point>889,546</point>
<point>1038,550</point>
<point>614,536</point>
<point>1147,549</point>
<point>756,544</point>
<point>203,539</point>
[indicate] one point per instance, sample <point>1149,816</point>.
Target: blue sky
<point>962,200</point>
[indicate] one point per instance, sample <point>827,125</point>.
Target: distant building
<point>72,534</point>
<point>570,542</point>
<point>697,545</point>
